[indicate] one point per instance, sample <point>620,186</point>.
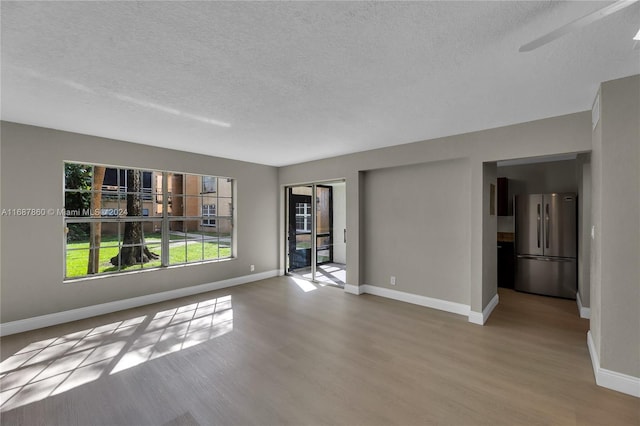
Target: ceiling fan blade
<point>578,23</point>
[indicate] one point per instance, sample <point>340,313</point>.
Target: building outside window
<point>116,180</point>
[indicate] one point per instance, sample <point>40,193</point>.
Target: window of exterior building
<point>303,217</point>
<point>208,212</point>
<point>209,184</point>
<point>121,219</point>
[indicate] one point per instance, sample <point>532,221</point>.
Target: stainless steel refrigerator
<point>546,244</point>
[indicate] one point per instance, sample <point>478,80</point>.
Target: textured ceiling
<point>284,82</point>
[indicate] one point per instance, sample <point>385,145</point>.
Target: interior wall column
<point>354,182</point>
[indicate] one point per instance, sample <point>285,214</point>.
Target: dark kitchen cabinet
<point>506,264</point>
<point>503,196</point>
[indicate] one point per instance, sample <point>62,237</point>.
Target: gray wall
<point>540,178</point>
<point>32,247</point>
<point>558,135</point>
<point>595,275</point>
<point>615,283</point>
<point>434,199</point>
<point>489,232</point>
<point>584,226</point>
<point>1,205</point>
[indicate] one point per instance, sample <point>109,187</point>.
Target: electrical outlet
<point>252,268</point>
<point>392,281</point>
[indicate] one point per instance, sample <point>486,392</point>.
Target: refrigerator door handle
<point>538,225</point>
<point>546,226</point>
<point>524,256</point>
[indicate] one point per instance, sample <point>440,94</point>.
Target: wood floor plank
<point>270,353</point>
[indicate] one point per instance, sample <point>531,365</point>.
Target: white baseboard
<point>353,289</point>
<point>612,379</point>
<point>481,318</point>
<point>48,320</point>
<point>584,312</point>
<point>429,302</point>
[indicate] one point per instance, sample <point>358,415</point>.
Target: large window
<point>122,219</point>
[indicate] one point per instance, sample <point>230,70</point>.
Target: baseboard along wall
<point>56,318</point>
<point>584,311</point>
<point>481,318</point>
<point>429,302</point>
<point>611,379</point>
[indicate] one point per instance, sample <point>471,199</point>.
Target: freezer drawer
<point>546,276</point>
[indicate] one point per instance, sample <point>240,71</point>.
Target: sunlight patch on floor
<point>304,285</point>
<point>177,329</point>
<point>59,364</point>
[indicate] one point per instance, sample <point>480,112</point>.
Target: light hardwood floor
<point>271,353</point>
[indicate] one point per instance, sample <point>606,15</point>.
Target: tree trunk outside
<point>134,252</point>
<point>95,236</point>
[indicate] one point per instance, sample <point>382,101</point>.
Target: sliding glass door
<point>311,229</point>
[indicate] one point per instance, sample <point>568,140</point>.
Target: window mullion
<point>165,237</point>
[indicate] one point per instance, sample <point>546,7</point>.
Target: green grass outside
<point>179,252</point>
<point>210,234</point>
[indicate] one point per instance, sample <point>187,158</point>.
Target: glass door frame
<point>294,235</point>
<point>314,231</point>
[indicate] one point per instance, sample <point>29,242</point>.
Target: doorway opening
<point>543,224</point>
<point>316,232</point>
